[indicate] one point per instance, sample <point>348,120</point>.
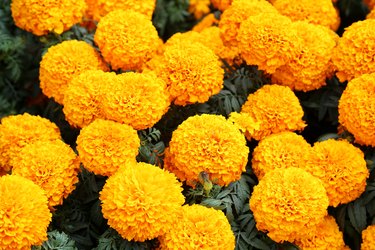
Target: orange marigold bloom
<point>141,201</point>
<point>287,203</point>
<point>207,143</point>
<point>17,131</point>
<point>276,108</point>
<point>199,227</point>
<point>52,165</point>
<point>192,72</point>
<point>357,107</point>
<point>104,146</point>
<point>320,12</point>
<point>344,178</point>
<point>221,4</point>
<point>126,39</point>
<point>371,15</point>
<point>207,21</point>
<point>326,236</point>
<point>24,214</point>
<point>368,238</point>
<point>63,62</point>
<point>354,54</point>
<point>370,3</point>
<point>281,150</point>
<point>41,17</point>
<point>199,8</point>
<point>310,68</point>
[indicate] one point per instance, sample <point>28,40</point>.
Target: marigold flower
<point>356,109</point>
<point>206,22</point>
<point>221,4</point>
<point>141,201</point>
<point>41,17</point>
<point>199,8</point>
<point>326,236</point>
<point>126,39</point>
<point>207,143</point>
<point>370,3</point>
<point>310,68</point>
<point>17,131</point>
<point>274,107</point>
<point>104,146</point>
<point>354,54</point>
<point>192,72</point>
<point>24,214</point>
<point>199,227</point>
<point>344,178</point>
<point>64,61</point>
<point>368,238</point>
<point>287,203</point>
<point>52,165</point>
<point>281,150</point>
<point>371,15</point>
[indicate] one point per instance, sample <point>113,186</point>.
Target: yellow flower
<point>104,146</point>
<point>274,107</point>
<point>24,214</point>
<point>368,238</point>
<point>64,61</point>
<point>326,236</point>
<point>20,130</point>
<point>126,39</point>
<point>52,165</point>
<point>282,150</point>
<point>207,143</point>
<point>199,8</point>
<point>355,52</point>
<point>141,201</point>
<point>320,12</point>
<point>221,4</point>
<point>206,22</point>
<point>43,16</point>
<point>310,68</point>
<point>199,227</point>
<point>344,178</point>
<point>357,107</point>
<point>287,203</point>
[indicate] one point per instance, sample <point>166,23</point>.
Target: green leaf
<point>357,216</point>
<point>58,241</point>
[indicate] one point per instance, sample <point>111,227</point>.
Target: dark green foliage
<point>152,148</point>
<point>57,241</point>
<point>351,11</point>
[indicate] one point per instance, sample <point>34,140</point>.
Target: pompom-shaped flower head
<point>287,203</point>
<point>24,213</point>
<point>207,143</point>
<point>199,8</point>
<point>192,72</point>
<point>281,150</point>
<point>326,236</point>
<point>321,12</point>
<point>141,201</point>
<point>104,146</point>
<point>357,107</point>
<point>368,238</point>
<point>198,228</point>
<point>20,130</point>
<point>276,108</point>
<point>52,165</point>
<point>126,39</point>
<point>354,54</point>
<point>310,68</point>
<point>43,16</point>
<point>221,4</point>
<point>344,178</point>
<point>64,61</point>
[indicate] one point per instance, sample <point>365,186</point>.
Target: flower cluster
<point>199,8</point>
<point>221,4</point>
<point>368,238</point>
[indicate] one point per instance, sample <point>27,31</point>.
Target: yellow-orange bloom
<point>24,214</point>
<point>371,15</point>
<point>355,52</point>
<point>312,65</point>
<point>20,130</point>
<point>326,236</point>
<point>199,8</point>
<point>357,108</point>
<point>206,22</point>
<point>104,146</point>
<point>287,203</point>
<point>370,3</point>
<point>41,17</point>
<point>63,62</point>
<point>207,143</point>
<point>141,201</point>
<point>344,178</point>
<point>368,238</point>
<point>221,4</point>
<point>281,150</point>
<point>199,227</point>
<point>52,165</point>
<point>126,39</point>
